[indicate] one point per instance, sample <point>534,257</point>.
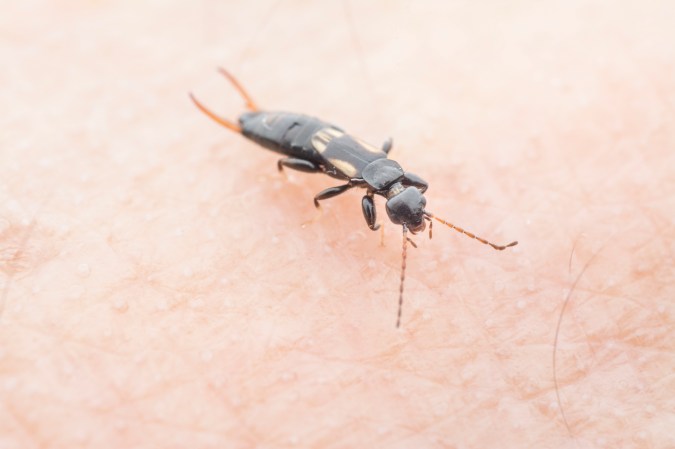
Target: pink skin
<point>163,286</point>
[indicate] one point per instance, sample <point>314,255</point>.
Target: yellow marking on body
<point>321,138</point>
<point>369,147</point>
<point>345,167</point>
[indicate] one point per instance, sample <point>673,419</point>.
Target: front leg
<point>369,213</point>
<point>330,193</point>
<point>298,164</point>
<point>411,179</point>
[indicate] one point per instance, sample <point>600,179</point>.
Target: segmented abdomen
<point>284,132</point>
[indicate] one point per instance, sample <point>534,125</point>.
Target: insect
<point>311,145</point>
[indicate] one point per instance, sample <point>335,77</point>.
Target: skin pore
<point>164,286</point>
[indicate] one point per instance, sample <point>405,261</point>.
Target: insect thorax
<point>382,174</point>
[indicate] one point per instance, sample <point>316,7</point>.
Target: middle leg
<point>298,164</point>
<point>330,193</point>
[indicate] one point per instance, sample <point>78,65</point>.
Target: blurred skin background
<point>163,286</point>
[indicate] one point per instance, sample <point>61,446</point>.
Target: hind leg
<point>298,164</point>
<point>330,193</point>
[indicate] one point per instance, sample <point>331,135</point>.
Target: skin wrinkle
<point>16,256</point>
<point>236,324</point>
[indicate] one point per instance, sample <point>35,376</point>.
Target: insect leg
<point>411,179</point>
<point>330,193</point>
<point>368,206</point>
<point>298,164</point>
<point>386,146</point>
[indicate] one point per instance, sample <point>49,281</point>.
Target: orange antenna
<point>404,255</point>
<point>469,234</point>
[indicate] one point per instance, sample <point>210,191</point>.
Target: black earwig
<point>312,145</point>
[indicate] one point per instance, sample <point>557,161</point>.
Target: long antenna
<point>403,260</point>
<point>469,234</point>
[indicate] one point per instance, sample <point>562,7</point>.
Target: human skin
<point>163,286</point>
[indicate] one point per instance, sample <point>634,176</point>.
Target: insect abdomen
<point>284,132</point>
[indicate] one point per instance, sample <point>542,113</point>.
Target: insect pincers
<point>311,145</point>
